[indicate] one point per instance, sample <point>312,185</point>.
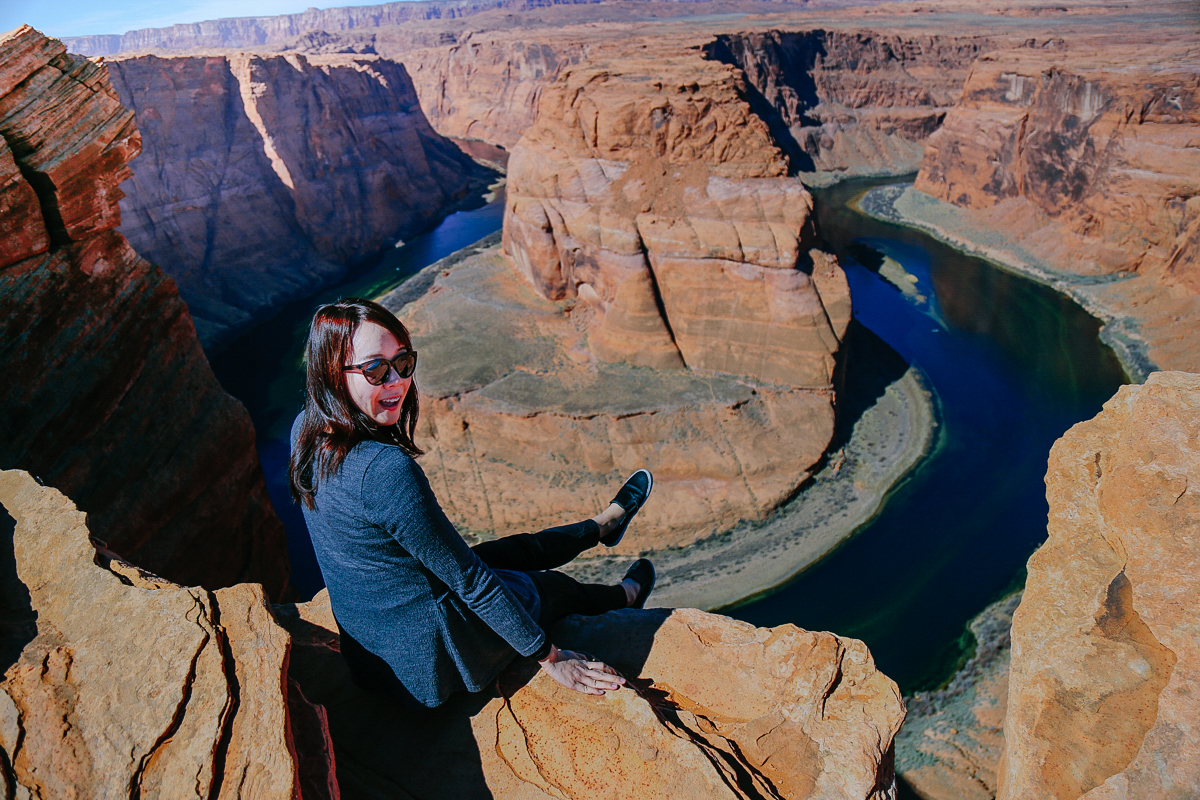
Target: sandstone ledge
<point>714,708</point>
<point>176,692</point>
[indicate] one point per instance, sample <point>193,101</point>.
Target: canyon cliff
<point>118,683</point>
<point>212,695</point>
<point>262,178</point>
<point>1082,166</point>
<point>852,102</point>
<point>108,396</point>
<point>663,305</point>
<point>1103,689</point>
<point>1088,688</point>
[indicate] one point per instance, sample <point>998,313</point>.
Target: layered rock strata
<point>262,178</point>
<point>664,306</point>
<point>857,102</point>
<point>654,195</point>
<point>121,684</point>
<point>1103,696</point>
<point>713,708</point>
<point>524,429</point>
<point>1083,167</point>
<point>108,396</point>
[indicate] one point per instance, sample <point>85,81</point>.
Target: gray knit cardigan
<point>403,582</point>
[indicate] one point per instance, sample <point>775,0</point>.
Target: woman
<point>421,614</point>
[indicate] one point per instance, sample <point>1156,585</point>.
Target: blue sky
<point>84,17</point>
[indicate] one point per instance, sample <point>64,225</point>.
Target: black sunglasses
<point>376,370</point>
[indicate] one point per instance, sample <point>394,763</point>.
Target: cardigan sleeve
<point>396,496</point>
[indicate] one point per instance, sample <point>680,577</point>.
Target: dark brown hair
<point>333,424</point>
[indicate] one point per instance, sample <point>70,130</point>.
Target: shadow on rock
<point>869,366</point>
<point>18,620</point>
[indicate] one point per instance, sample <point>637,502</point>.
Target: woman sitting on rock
<point>421,614</point>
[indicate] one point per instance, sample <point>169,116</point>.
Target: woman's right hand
<point>573,671</point>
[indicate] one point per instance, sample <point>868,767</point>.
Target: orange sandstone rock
<point>1103,695</point>
<point>652,193</point>
<point>1083,162</point>
<point>713,708</point>
<point>128,684</point>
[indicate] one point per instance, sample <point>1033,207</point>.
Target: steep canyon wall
<point>859,102</point>
<point>108,396</point>
<point>1084,165</point>
<point>262,178</point>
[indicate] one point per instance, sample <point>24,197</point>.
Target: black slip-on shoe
<point>631,497</point>
<point>642,572</point>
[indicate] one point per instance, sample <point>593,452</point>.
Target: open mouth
<point>391,402</point>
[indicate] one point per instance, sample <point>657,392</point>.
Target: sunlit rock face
<point>118,683</point>
<point>1103,692</point>
<point>1083,162</point>
<point>262,178</point>
<point>658,198</point>
<point>713,708</point>
<point>107,395</point>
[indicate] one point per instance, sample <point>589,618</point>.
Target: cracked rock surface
<point>1102,697</point>
<point>714,708</point>
<point>121,684</point>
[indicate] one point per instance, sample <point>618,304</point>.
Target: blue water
<point>264,368</point>
<point>1013,365</point>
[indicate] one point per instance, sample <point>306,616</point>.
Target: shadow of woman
<point>384,748</point>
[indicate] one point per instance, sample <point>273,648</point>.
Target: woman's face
<point>380,403</point>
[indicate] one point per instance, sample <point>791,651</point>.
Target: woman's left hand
<point>573,671</point>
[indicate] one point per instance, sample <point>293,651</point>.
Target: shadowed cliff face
<point>262,178</point>
<point>107,395</point>
<point>858,102</point>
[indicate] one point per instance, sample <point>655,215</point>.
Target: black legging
<point>539,553</point>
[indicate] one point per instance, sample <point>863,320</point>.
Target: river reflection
<point>1014,364</point>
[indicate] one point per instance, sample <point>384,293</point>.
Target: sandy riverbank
<point>903,205</point>
<point>889,439</point>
